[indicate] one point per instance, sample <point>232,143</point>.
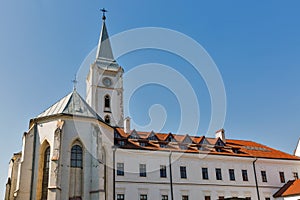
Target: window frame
<point>245,175</point>
<point>231,174</point>
<point>207,198</point>
<point>183,173</point>
<point>143,196</point>
<point>205,173</point>
<point>76,159</point>
<point>120,169</point>
<point>143,170</point>
<point>119,197</point>
<point>185,197</point>
<point>281,177</point>
<point>295,175</point>
<point>163,171</point>
<point>264,176</point>
<point>218,174</point>
<point>107,119</point>
<point>106,101</point>
<point>46,171</point>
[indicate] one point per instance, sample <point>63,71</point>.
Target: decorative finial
<point>103,13</point>
<point>74,82</point>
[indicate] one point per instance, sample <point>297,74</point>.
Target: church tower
<point>104,82</point>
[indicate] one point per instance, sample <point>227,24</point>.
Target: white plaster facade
<point>105,79</point>
<point>95,137</point>
<point>194,186</point>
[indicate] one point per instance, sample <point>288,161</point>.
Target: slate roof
<point>72,104</point>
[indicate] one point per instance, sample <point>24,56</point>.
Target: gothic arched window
<point>45,179</point>
<point>76,172</point>
<point>76,156</point>
<point>107,119</point>
<point>107,101</point>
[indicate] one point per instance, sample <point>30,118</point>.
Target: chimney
<point>127,125</point>
<point>221,134</point>
<point>297,150</point>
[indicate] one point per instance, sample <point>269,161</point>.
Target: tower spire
<point>104,51</point>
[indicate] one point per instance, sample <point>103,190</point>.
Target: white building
<point>79,149</point>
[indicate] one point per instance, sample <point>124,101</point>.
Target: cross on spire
<point>103,10</point>
<point>74,82</point>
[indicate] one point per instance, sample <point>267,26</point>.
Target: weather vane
<point>103,10</point>
<point>74,82</point>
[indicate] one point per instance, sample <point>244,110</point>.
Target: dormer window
<point>134,135</point>
<point>219,143</point>
<point>107,119</point>
<point>152,138</point>
<point>117,135</point>
<point>170,139</point>
<point>142,144</point>
<point>235,150</point>
<point>121,142</point>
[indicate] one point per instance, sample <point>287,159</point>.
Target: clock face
<point>106,81</point>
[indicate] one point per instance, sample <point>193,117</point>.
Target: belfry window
<point>107,119</point>
<point>45,174</point>
<point>76,172</point>
<point>107,101</point>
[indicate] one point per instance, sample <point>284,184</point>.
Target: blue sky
<point>255,44</point>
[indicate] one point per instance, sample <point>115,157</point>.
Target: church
<point>84,148</point>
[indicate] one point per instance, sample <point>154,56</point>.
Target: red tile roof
<point>242,148</point>
<point>291,188</point>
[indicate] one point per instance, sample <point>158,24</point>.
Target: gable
<point>170,138</point>
<point>134,135</point>
<point>152,136</point>
<point>187,139</point>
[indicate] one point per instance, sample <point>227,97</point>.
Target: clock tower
<point>104,82</point>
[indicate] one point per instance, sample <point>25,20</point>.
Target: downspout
<point>114,171</point>
<point>255,177</point>
<point>33,159</point>
<point>171,178</point>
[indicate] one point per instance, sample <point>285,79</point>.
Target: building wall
<point>96,139</point>
<point>131,184</point>
<point>96,91</point>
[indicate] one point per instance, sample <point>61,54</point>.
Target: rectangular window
<point>248,198</point>
<point>218,174</point>
<point>204,173</point>
<point>143,171</point>
<point>163,171</point>
<point>120,197</point>
<point>264,176</point>
<point>267,198</point>
<point>231,175</point>
<point>245,175</point>
<point>185,197</point>
<point>183,172</point>
<point>207,198</point>
<point>282,178</point>
<point>295,175</point>
<point>221,198</point>
<point>143,197</point>
<point>120,169</point>
<point>164,197</point>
